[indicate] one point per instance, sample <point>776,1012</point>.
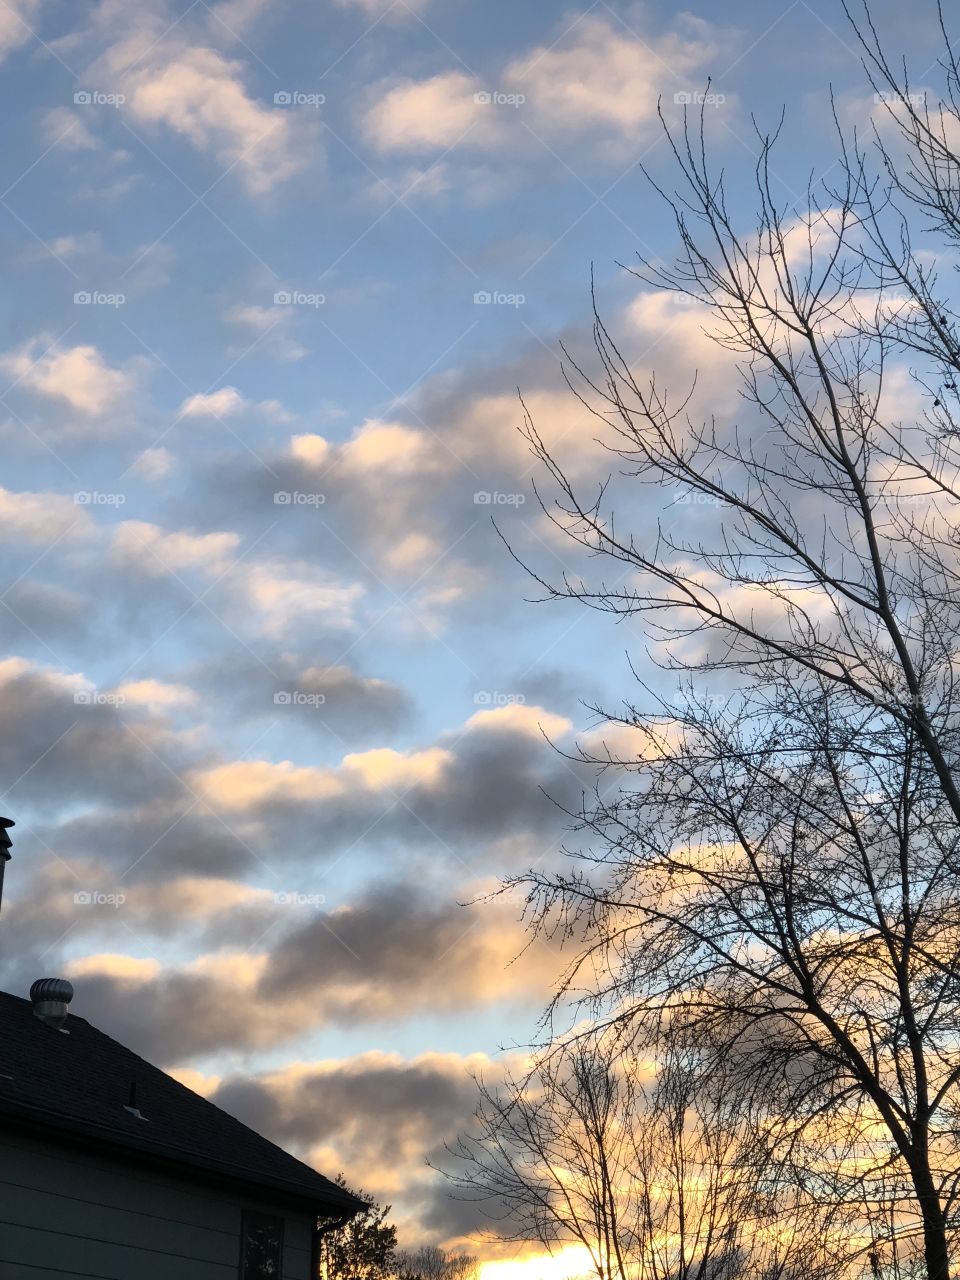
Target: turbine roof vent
<point>50,997</point>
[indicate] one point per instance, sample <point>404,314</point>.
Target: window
<point>261,1247</point>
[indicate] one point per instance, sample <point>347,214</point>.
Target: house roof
<point>78,1086</point>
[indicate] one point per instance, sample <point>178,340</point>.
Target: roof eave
<point>320,1201</point>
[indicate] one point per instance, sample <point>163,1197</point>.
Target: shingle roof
<point>78,1085</point>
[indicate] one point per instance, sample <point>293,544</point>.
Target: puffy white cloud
<point>13,669</point>
<point>199,1081</point>
<point>385,768</point>
<point>271,325</point>
<point>18,20</point>
<point>378,445</point>
<point>378,452</point>
<point>154,551</point>
<point>77,376</point>
<point>116,966</point>
<point>433,114</point>
<point>427,482</point>
<point>311,449</point>
<point>284,592</point>
<point>608,78</point>
<point>517,717</point>
<point>154,464</point>
<point>270,596</point>
<point>247,784</point>
<point>200,94</point>
<point>68,130</point>
<point>601,78</point>
<point>239,15</point>
<point>412,552</point>
<point>155,695</point>
<point>227,402</point>
<point>40,517</point>
<point>218,404</point>
<point>251,316</point>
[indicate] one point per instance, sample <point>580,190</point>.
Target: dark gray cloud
<point>271,971</point>
<point>63,741</point>
<point>395,940</point>
<point>432,473</point>
<point>156,839</point>
<point>330,700</point>
<point>43,614</point>
<point>154,804</point>
<point>113,805</point>
<point>386,1119</point>
<point>379,1106</point>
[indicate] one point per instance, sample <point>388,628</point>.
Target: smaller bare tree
<point>643,1165</point>
<point>431,1262</point>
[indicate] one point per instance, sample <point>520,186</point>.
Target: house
<point>112,1170</point>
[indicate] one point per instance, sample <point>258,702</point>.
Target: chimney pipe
<point>5,843</point>
<point>50,997</point>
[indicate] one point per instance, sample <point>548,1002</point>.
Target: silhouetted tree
<point>362,1248</point>
<point>640,1164</point>
<point>775,875</point>
<point>431,1262</point>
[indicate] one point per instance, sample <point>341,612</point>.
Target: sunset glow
<point>479,616</point>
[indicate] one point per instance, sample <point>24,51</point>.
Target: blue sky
<point>274,700</point>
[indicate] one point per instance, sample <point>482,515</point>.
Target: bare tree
<point>431,1262</point>
<point>641,1165</point>
<point>772,872</point>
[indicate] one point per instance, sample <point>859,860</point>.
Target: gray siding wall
<point>64,1213</point>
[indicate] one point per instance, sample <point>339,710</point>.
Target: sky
<point>277,702</point>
